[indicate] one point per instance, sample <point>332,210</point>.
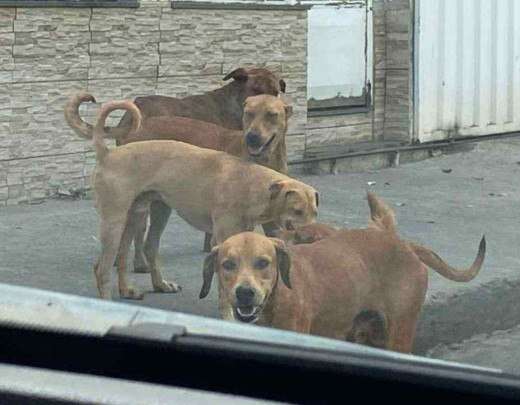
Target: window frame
<point>70,3</point>
<point>361,103</point>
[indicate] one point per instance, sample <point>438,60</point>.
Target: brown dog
<point>306,234</point>
<point>321,288</point>
<point>211,190</point>
<point>223,106</point>
<point>262,141</point>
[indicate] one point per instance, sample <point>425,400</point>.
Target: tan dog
<point>321,288</point>
<point>211,190</point>
<point>262,141</point>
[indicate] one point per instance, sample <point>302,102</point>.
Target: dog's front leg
<point>271,229</point>
<point>207,242</point>
<point>159,214</point>
<point>226,225</point>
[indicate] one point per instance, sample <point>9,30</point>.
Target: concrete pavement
<point>446,203</point>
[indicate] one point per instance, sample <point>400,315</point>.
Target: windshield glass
<point>344,170</point>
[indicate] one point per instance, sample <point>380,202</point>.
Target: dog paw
<point>131,293</point>
<point>167,287</point>
<point>141,269</point>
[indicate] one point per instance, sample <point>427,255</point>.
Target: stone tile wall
<point>46,54</point>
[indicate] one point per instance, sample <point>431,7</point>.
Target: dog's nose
<point>253,139</point>
<point>244,294</point>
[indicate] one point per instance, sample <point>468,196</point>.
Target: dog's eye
<point>271,114</point>
<point>298,212</point>
<point>261,264</point>
<point>229,265</point>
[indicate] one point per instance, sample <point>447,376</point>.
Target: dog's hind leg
<point>159,214</point>
<point>402,334</point>
<point>125,289</point>
<point>110,236</point>
<point>140,262</point>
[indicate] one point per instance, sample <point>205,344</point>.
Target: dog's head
<point>257,81</point>
<point>293,203</point>
<point>307,233</point>
<point>265,123</point>
<point>249,267</point>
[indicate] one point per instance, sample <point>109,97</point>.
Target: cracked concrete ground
<point>53,245</point>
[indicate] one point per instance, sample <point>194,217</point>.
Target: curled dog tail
<point>83,128</point>
<point>99,129</point>
<point>432,260</point>
<point>71,111</point>
<point>382,217</point>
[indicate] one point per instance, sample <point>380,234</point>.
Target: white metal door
<point>467,68</point>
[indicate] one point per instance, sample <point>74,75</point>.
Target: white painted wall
<point>467,68</point>
<point>336,51</point>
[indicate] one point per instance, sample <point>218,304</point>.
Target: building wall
<point>389,120</point>
<point>46,54</point>
<point>395,68</point>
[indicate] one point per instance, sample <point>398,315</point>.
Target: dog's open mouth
<point>247,314</point>
<point>258,151</point>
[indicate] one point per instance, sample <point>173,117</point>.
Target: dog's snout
<point>244,294</point>
<point>254,139</point>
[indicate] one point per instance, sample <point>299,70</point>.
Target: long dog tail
<point>99,132</point>
<point>382,217</point>
<point>435,262</point>
<point>83,128</point>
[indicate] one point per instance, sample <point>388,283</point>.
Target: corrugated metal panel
<point>467,68</point>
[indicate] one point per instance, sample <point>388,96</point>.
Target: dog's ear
<point>283,260</point>
<point>237,74</point>
<point>317,198</point>
<point>288,111</point>
<point>282,85</point>
<point>208,270</point>
<point>276,187</point>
